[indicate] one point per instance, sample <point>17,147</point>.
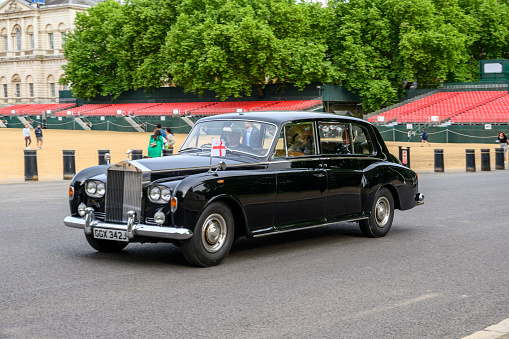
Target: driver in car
<point>233,140</point>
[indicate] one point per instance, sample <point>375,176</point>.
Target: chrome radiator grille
<point>123,194</point>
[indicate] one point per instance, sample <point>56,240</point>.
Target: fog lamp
<point>81,209</point>
<point>159,218</point>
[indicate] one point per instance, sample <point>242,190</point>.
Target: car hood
<point>191,161</point>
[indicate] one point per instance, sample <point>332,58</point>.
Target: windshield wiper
<point>191,149</point>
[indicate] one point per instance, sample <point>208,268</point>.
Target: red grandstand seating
<point>81,110</point>
<point>9,109</point>
<point>444,105</point>
<point>35,109</point>
<point>413,106</point>
<point>496,111</point>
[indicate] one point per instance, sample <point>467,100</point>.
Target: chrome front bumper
<point>133,229</point>
<point>419,197</point>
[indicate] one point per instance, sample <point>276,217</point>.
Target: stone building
<point>31,54</point>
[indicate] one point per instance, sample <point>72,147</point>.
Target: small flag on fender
<point>218,148</point>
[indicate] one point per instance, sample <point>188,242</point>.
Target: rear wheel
<point>107,246</point>
<point>382,212</point>
<point>212,238</point>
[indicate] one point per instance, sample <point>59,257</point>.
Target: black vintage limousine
<point>245,174</point>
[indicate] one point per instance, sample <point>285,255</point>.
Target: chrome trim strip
<point>307,227</point>
<point>137,229</point>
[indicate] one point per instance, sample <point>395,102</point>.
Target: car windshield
<point>242,136</point>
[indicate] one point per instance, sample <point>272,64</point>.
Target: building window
<point>18,90</point>
<point>32,41</point>
<point>5,91</point>
<point>51,41</point>
<point>6,43</point>
<point>18,39</point>
<point>31,89</point>
<point>52,88</point>
<point>64,37</point>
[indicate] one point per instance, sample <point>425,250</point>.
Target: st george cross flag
<point>218,148</point>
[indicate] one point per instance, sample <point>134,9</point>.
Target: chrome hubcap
<point>382,212</point>
<point>213,233</point>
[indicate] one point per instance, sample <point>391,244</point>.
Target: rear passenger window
<point>335,138</point>
<point>296,140</point>
<point>343,138</point>
<point>361,142</point>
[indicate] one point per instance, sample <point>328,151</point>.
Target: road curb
<point>498,331</point>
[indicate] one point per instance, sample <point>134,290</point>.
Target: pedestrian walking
<point>38,135</point>
<point>502,139</point>
<point>424,138</point>
<point>27,134</point>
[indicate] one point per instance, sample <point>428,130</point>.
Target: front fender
<point>250,194</point>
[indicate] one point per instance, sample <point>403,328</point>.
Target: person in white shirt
<point>28,139</point>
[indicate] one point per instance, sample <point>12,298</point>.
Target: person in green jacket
<point>155,146</point>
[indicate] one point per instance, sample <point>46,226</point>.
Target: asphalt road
<point>441,272</point>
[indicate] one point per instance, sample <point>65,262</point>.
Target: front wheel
<point>212,238</point>
<point>107,246</point>
<point>382,212</point>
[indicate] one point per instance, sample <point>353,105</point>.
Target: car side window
<point>335,138</point>
<point>296,140</point>
<point>361,142</point>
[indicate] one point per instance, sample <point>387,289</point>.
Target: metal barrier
<point>470,157</point>
<point>167,152</point>
<point>404,156</point>
<point>485,159</point>
<point>69,164</point>
<point>102,152</point>
<point>499,159</point>
<point>439,160</point>
<point>31,165</point>
<point>137,154</point>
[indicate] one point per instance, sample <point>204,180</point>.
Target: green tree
<point>228,46</point>
<point>381,45</point>
<point>145,26</point>
<point>114,48</point>
<point>92,66</point>
<point>490,28</point>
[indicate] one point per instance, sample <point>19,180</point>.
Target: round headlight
<point>166,194</point>
<point>101,188</point>
<point>91,187</point>
<point>159,218</point>
<point>155,193</point>
<point>81,209</point>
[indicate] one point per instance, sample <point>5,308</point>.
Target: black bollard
<point>137,154</point>
<point>102,152</point>
<point>485,159</point>
<point>499,158</point>
<point>31,165</point>
<point>470,160</point>
<point>167,152</point>
<point>439,160</point>
<point>69,164</point>
<point>404,156</point>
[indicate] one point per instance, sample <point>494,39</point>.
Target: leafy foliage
<point>381,45</point>
<point>375,47</point>
<point>229,46</point>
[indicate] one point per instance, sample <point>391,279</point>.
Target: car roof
<point>278,117</point>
